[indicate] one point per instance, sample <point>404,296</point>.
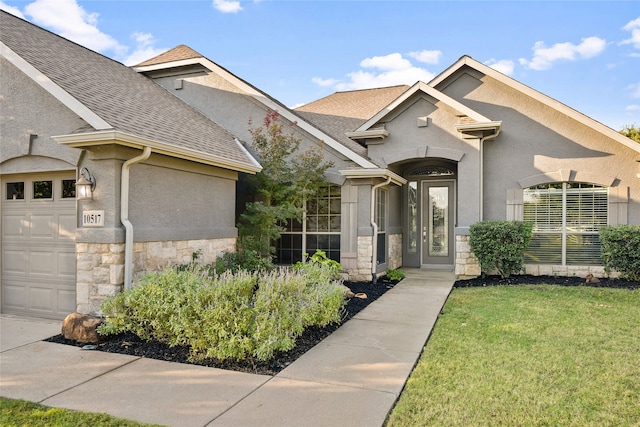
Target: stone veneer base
<point>100,266</point>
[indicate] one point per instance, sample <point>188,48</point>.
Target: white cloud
<point>324,82</point>
<point>544,57</point>
<point>505,66</point>
<point>10,9</point>
<point>426,56</point>
<point>388,70</point>
<point>144,49</point>
<point>634,90</point>
<point>634,27</point>
<point>226,6</point>
<point>68,19</point>
<point>393,61</point>
<point>632,108</point>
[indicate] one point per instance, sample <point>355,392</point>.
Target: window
<point>15,190</point>
<point>68,188</point>
<point>381,221</point>
<point>412,216</point>
<point>566,218</point>
<point>320,230</point>
<point>43,189</point>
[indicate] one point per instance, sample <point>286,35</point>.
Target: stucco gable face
<point>30,116</point>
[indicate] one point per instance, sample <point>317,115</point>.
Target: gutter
<point>124,215</point>
<point>473,128</point>
<point>374,240</point>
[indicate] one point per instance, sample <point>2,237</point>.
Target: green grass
<point>529,356</point>
<point>20,413</point>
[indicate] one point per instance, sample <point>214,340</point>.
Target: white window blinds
<point>566,218</point>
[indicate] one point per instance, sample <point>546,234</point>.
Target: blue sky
<point>585,54</point>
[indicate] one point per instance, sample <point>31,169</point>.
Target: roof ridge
<point>180,52</point>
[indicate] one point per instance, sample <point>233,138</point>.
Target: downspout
<point>124,215</point>
<point>481,180</point>
<point>374,240</point>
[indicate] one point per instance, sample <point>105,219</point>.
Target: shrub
<point>395,275</point>
<point>621,249</point>
<point>248,260</point>
<point>500,245</point>
<point>227,316</point>
<point>319,258</point>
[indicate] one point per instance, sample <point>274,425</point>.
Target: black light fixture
<point>85,185</point>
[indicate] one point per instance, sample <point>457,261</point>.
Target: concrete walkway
<point>352,378</point>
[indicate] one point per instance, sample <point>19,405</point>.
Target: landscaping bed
<point>526,279</point>
<point>130,344</point>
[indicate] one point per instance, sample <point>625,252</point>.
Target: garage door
<point>38,244</point>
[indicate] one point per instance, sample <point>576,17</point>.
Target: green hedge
<point>228,316</point>
<point>500,245</point>
<point>621,249</point>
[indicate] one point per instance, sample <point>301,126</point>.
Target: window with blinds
<point>566,218</point>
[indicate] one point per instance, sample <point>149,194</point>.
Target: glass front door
<point>437,223</point>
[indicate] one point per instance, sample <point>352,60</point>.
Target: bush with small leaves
<point>227,316</point>
<point>395,275</point>
<point>621,249</point>
<point>500,245</point>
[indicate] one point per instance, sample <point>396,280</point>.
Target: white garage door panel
<point>67,264</point>
<point>66,301</point>
<point>14,296</point>
<point>13,226</point>
<point>67,226</point>
<point>42,227</point>
<point>38,250</point>
<point>42,264</point>
<point>14,261</point>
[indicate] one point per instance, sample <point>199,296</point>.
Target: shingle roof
<point>126,100</point>
<point>343,112</point>
<point>178,53</point>
<point>356,104</point>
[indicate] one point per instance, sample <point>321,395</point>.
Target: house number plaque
<point>93,218</point>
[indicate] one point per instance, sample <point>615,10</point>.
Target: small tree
<point>500,245</point>
<point>289,177</point>
<point>631,132</point>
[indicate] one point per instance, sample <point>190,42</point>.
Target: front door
<point>438,218</point>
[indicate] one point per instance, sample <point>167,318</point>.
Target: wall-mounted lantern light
<point>85,185</point>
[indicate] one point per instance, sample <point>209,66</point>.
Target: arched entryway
<point>429,215</point>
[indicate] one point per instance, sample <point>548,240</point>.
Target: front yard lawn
<point>529,355</point>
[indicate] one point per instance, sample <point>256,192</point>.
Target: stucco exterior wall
<point>407,142</point>
<point>536,139</point>
<point>232,109</point>
<point>28,118</point>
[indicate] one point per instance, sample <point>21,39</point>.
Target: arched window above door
<point>432,171</point>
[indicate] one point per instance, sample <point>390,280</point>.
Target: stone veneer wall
<point>395,251</point>
<point>100,266</point>
<point>365,251</point>
<point>468,267</point>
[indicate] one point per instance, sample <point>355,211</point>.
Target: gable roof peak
<point>178,53</point>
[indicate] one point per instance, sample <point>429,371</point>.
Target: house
<point>166,141</point>
<point>165,175</point>
<point>415,167</point>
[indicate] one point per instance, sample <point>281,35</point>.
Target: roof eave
<point>421,86</point>
<point>267,102</point>
<point>84,140</point>
<point>539,96</point>
<point>86,114</point>
<point>373,173</point>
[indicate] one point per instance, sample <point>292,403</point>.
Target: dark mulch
<point>131,344</point>
<point>551,280</point>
